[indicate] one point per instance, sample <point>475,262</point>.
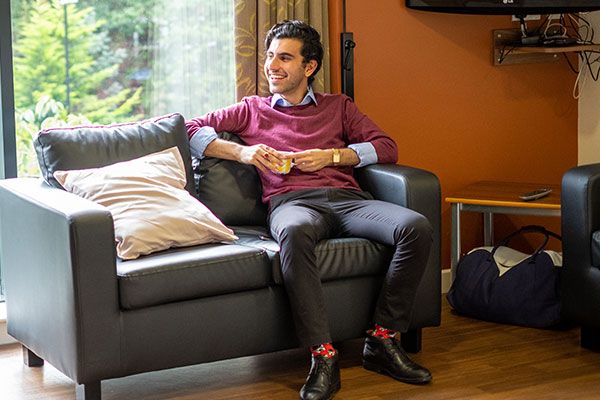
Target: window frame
<point>8,153</point>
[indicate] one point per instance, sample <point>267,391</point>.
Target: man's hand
<point>312,160</point>
<point>266,158</point>
<point>262,157</point>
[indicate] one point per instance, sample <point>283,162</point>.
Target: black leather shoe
<point>387,357</point>
<point>323,379</point>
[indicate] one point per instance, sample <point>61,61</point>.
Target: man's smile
<point>276,77</point>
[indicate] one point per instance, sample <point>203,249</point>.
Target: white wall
<point>589,108</point>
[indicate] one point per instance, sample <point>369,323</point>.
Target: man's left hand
<point>312,160</point>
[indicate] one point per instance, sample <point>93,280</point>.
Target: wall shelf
<point>507,53</point>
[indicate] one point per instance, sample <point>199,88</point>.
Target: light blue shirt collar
<point>278,100</point>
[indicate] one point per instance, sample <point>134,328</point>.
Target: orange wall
<point>428,80</point>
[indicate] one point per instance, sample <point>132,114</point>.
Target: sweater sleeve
<point>358,128</point>
<point>232,119</point>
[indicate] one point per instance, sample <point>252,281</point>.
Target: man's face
<point>285,70</point>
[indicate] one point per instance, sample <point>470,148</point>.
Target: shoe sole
<point>376,368</point>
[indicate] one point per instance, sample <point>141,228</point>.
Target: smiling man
<point>326,136</point>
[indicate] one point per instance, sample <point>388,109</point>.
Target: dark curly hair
<point>312,49</point>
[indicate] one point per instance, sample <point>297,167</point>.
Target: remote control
<point>535,194</point>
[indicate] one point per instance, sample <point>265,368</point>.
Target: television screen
<point>505,7</point>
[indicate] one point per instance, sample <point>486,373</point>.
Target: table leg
<point>488,229</point>
<point>455,238</point>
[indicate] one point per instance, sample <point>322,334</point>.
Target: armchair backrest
<point>82,147</point>
<point>232,191</point>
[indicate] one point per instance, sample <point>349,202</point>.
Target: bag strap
<point>528,229</point>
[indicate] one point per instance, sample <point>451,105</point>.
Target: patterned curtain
<point>253,19</point>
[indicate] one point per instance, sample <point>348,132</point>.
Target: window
<point>87,61</point>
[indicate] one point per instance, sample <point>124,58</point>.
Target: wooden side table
<point>490,197</point>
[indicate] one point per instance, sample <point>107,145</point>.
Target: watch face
<point>336,156</point>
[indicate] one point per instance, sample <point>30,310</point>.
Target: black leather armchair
<point>72,303</point>
<point>580,209</point>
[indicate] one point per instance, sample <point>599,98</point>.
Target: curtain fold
<point>253,19</point>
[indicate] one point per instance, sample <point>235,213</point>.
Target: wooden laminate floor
<point>469,359</point>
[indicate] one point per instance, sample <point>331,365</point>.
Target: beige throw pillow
<point>150,207</point>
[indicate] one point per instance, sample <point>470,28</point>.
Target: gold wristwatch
<point>337,156</point>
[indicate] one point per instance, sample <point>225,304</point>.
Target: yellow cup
<point>285,167</point>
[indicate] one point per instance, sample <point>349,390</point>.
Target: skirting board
<point>446,280</point>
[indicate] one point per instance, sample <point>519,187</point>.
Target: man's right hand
<point>262,157</point>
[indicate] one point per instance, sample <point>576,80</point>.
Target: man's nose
<point>273,64</point>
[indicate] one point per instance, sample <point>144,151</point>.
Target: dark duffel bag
<point>502,285</point>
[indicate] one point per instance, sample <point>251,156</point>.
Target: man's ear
<point>310,67</point>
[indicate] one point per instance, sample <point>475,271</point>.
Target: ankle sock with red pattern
<point>323,350</point>
<point>382,332</point>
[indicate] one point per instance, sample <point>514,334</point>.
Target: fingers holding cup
<point>285,166</point>
<point>285,163</point>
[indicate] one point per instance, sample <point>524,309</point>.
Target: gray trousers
<point>300,219</point>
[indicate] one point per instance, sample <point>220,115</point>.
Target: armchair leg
<point>30,358</point>
<point>590,338</point>
<point>88,391</point>
<point>411,340</point>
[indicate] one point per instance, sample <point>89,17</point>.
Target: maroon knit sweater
<point>334,122</point>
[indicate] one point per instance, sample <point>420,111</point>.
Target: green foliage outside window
<point>128,60</point>
<point>39,56</point>
<point>45,114</point>
<point>40,75</point>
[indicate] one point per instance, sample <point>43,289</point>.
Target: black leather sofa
<point>580,277</point>
<point>72,303</point>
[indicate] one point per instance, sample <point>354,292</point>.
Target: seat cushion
<point>191,272</point>
<point>252,262</point>
<point>336,258</point>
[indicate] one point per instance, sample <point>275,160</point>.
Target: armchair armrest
<point>418,190</point>
<point>580,194</point>
<point>409,187</point>
<point>58,259</point>
<point>580,276</point>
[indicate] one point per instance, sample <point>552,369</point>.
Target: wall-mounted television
<point>505,7</point>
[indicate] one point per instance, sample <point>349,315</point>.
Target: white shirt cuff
<point>201,139</point>
<point>366,153</point>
